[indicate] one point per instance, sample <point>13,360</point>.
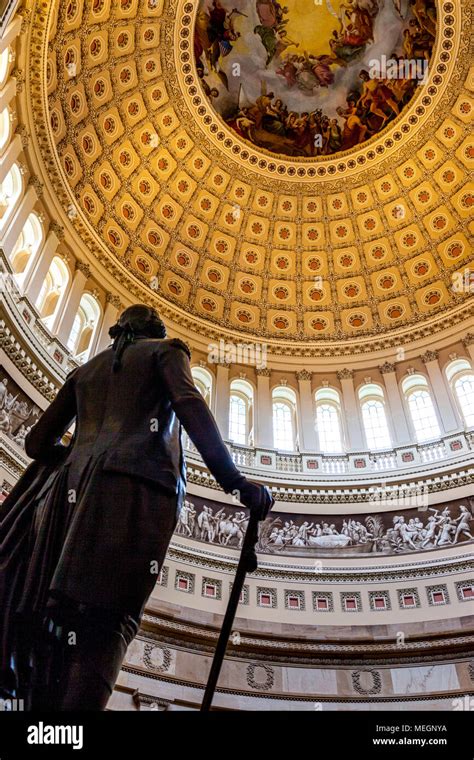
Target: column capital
<point>113,299</point>
<point>386,367</point>
<point>429,356</point>
<point>345,374</point>
<point>263,372</point>
<point>468,340</point>
<point>57,229</point>
<point>24,134</point>
<point>35,182</point>
<point>304,374</point>
<point>19,75</point>
<point>224,364</point>
<point>81,266</point>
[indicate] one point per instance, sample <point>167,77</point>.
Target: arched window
<point>5,128</point>
<point>420,405</point>
<point>203,382</point>
<point>328,420</point>
<point>10,191</point>
<point>461,378</point>
<point>27,246</point>
<point>284,418</point>
<point>241,412</point>
<point>84,327</point>
<point>374,417</point>
<point>52,291</point>
<point>4,65</point>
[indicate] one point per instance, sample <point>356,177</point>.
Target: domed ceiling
<point>231,159</point>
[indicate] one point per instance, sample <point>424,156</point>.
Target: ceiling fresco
<point>176,201</point>
<point>298,78</point>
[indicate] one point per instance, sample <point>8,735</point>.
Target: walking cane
<point>247,564</point>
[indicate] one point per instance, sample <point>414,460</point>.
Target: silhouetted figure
<point>104,511</point>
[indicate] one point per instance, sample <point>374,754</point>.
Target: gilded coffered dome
<point>239,166</point>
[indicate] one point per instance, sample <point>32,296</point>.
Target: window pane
<point>283,426</point>
<point>375,424</point>
<point>464,388</point>
<point>76,329</point>
<point>423,415</point>
<point>329,428</point>
<point>238,420</point>
<point>5,127</point>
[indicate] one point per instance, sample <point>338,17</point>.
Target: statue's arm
<point>175,373</point>
<point>43,441</point>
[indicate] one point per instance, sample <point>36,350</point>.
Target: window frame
<point>376,394</point>
<point>419,382</point>
<point>453,378</point>
<point>336,403</point>
<point>282,394</point>
<point>244,390</point>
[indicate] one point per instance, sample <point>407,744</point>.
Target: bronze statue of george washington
<point>86,529</point>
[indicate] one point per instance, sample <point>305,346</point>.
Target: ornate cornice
<point>301,494</point>
<point>157,627</point>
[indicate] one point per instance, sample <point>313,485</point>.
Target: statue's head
<point>137,321</point>
<point>141,320</point>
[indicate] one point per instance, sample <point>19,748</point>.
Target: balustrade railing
<point>360,463</point>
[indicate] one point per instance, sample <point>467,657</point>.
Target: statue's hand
<point>256,497</point>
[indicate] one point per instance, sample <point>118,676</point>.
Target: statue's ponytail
<point>136,321</point>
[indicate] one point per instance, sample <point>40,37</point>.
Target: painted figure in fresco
<point>354,130</point>
<point>375,95</point>
<point>343,52</point>
<point>425,13</point>
<point>214,36</point>
<point>272,28</point>
<point>356,29</point>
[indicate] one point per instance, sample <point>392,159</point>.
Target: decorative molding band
<point>281,572</point>
<point>158,626</point>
